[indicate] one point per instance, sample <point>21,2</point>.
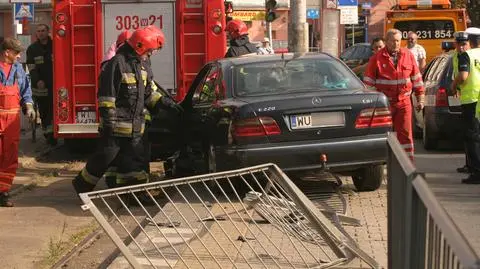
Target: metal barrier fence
<point>254,217</point>
<point>420,232</point>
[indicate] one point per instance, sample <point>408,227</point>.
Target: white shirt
<point>419,53</point>
<point>265,51</point>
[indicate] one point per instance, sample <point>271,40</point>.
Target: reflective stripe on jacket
<point>125,90</point>
<point>397,82</point>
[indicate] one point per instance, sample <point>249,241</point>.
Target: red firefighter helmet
<point>236,28</point>
<point>123,37</point>
<point>148,38</point>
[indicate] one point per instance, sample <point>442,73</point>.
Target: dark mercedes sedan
<point>301,111</point>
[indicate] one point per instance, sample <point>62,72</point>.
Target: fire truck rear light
<point>62,93</point>
<point>216,14</point>
<point>61,32</point>
<point>60,18</point>
<point>63,104</point>
<point>217,29</point>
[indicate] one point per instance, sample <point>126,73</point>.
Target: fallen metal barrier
<point>254,217</point>
<point>420,232</point>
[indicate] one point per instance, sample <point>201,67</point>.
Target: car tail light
<point>374,117</point>
<point>258,126</point>
<point>63,104</point>
<point>441,98</point>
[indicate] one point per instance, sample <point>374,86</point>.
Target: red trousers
<point>9,134</point>
<point>402,124</point>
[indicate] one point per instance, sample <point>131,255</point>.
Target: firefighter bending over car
<point>467,84</point>
<point>15,94</point>
<point>394,72</point>
<point>124,92</point>
<point>237,32</point>
<point>40,65</point>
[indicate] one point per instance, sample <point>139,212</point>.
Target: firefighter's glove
<point>172,105</point>
<point>29,111</point>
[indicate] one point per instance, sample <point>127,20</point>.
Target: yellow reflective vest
<point>470,88</point>
<point>472,85</point>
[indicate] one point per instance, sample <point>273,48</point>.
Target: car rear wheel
<point>429,141</point>
<point>369,178</point>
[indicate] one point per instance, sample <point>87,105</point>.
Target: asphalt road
<point>461,201</point>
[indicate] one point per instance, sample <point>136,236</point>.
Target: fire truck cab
<point>84,29</point>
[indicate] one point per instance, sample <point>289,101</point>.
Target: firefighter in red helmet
<point>125,90</point>
<point>237,32</point>
<point>121,39</point>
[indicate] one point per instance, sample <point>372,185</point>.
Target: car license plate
<point>317,120</point>
<point>301,121</point>
<point>453,101</point>
<point>86,117</point>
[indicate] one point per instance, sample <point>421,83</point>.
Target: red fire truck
<point>84,29</point>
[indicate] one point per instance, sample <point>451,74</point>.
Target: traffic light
<point>228,10</point>
<point>270,15</point>
<point>228,7</point>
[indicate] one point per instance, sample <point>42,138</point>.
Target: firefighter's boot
<point>81,186</point>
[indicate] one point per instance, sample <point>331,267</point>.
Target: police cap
<point>473,34</point>
<point>461,36</point>
<point>473,31</point>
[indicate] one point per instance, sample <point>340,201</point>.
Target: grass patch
<point>59,246</point>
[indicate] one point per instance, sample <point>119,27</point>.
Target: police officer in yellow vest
<point>468,83</point>
<point>468,98</point>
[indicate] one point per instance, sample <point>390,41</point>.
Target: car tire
<point>369,178</point>
<point>429,142</point>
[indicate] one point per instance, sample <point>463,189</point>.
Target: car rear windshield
<point>359,52</point>
<point>293,76</point>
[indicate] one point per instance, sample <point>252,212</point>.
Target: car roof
<point>275,57</point>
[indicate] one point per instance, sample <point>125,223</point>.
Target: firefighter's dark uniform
<point>125,91</point>
<point>115,179</point>
<point>40,64</point>
<point>240,46</point>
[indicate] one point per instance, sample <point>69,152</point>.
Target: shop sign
<point>246,15</point>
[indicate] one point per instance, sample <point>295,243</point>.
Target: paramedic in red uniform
<point>15,95</point>
<point>394,72</point>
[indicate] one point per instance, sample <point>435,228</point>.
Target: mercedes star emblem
<point>316,100</point>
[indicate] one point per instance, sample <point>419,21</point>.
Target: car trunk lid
<point>318,115</point>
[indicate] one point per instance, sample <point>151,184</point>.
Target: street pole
<point>353,34</point>
<point>298,27</point>
<point>14,24</point>
<point>366,28</point>
<point>269,32</point>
